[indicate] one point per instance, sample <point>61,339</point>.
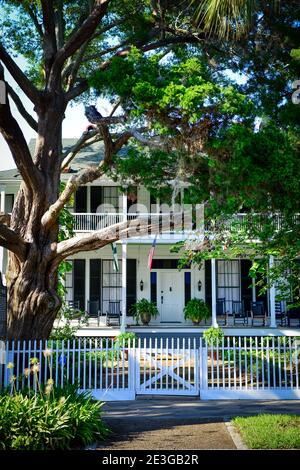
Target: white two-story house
<point>94,282</point>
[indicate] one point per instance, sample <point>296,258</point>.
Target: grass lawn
<point>269,431</point>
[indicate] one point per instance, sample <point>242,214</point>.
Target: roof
<point>89,156</point>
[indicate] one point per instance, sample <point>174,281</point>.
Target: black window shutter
<point>79,282</point>
<point>96,198</point>
<point>131,284</point>
<point>246,283</point>
<point>81,199</point>
<point>208,298</point>
<point>95,280</point>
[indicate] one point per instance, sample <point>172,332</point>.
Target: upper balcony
<point>185,225</point>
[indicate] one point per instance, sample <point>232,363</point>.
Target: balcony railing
<point>88,222</point>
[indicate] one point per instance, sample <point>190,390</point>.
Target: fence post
<point>9,357</point>
<point>132,366</point>
<point>203,368</point>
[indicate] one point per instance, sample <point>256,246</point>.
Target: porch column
<point>87,283</point>
<point>124,283</point>
<point>272,298</point>
<point>214,294</point>
<point>124,267</point>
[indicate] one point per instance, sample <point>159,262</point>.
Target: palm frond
<point>225,18</point>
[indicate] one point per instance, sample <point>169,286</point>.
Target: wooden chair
<point>93,309</point>
<point>258,312</point>
<point>239,313</point>
<point>113,314</point>
<point>292,313</point>
<point>280,313</point>
<point>221,311</point>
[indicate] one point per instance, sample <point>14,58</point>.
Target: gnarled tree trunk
<point>33,302</point>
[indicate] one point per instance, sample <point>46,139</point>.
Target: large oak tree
<point>64,43</point>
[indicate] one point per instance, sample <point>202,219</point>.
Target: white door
<point>170,296</point>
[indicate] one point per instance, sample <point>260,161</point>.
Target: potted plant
<point>196,310</point>
<point>144,310</point>
<point>213,336</point>
<point>122,341</point>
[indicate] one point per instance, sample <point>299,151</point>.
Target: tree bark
<point>33,302</point>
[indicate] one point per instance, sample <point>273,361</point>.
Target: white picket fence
<point>234,368</point>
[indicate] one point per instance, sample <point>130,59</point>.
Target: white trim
<point>250,394</point>
<point>272,297</point>
<point>213,294</point>
<point>124,286</point>
<point>113,395</point>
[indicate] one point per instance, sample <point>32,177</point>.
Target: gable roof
<point>89,156</point>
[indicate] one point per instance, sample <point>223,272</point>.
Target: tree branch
<point>138,227</point>
<point>86,176</point>
<point>85,139</point>
<point>11,241</point>
<point>15,139</point>
<point>84,33</point>
<point>76,91</point>
<point>4,218</point>
<point>26,86</point>
<point>34,19</point>
<point>20,107</point>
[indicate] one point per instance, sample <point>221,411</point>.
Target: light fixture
<point>141,285</point>
<point>199,286</point>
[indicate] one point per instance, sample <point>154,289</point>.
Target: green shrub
<point>196,310</point>
<point>213,335</point>
<point>124,338</point>
<point>61,419</point>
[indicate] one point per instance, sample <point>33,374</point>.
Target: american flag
<point>151,253</point>
<point>115,257</point>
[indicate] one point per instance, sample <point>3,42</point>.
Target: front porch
<point>183,331</point>
<point>223,285</point>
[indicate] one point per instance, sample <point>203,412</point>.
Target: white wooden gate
<point>167,367</point>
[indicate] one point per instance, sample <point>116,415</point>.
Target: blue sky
<point>73,126</point>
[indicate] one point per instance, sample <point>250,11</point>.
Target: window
<point>111,284</point>
<point>153,282</point>
<point>166,264</point>
<point>111,196</point>
<point>9,203</point>
<point>69,276</point>
<point>228,282</point>
<point>187,287</point>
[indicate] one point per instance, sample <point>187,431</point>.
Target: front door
<point>170,296</point>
